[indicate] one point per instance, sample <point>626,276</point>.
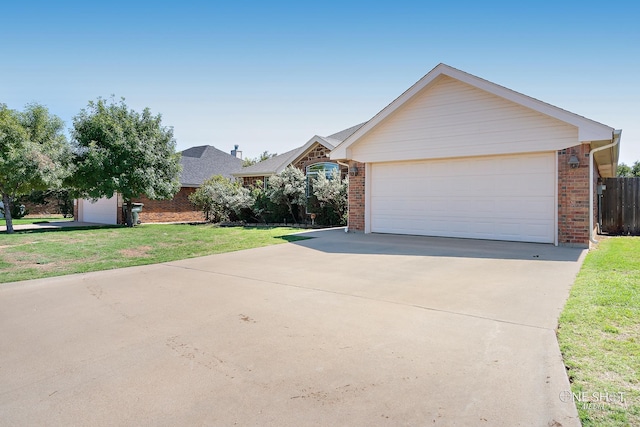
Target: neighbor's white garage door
<point>498,198</point>
<point>102,211</point>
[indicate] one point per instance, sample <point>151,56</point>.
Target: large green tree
<point>34,153</point>
<point>119,150</point>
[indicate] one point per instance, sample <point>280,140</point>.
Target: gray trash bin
<point>135,212</point>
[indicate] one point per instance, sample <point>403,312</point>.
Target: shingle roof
<point>201,163</point>
<point>344,134</point>
<point>271,165</point>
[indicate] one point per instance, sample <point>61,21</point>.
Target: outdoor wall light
<point>574,162</point>
<point>353,171</point>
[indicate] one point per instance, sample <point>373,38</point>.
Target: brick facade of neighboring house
<point>198,165</point>
<point>177,209</point>
<point>42,209</point>
<point>573,196</point>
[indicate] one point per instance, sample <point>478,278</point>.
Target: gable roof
<point>277,164</point>
<point>588,130</point>
<point>202,162</point>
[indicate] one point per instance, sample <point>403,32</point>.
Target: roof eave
<point>607,160</point>
<point>244,174</point>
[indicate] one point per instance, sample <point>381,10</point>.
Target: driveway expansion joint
<point>421,307</point>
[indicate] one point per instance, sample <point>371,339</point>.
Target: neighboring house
<point>459,156</point>
<point>198,165</point>
<point>315,152</point>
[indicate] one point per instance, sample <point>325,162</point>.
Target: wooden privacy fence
<point>620,205</point>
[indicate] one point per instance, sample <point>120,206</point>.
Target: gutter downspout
<point>616,141</point>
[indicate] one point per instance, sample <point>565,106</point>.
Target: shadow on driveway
<point>336,241</point>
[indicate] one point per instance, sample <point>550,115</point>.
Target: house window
<point>313,170</point>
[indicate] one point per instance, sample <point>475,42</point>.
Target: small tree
<point>121,150</point>
<point>332,192</point>
<point>287,188</point>
<point>221,199</point>
<point>252,161</point>
<point>625,171</point>
<point>34,154</point>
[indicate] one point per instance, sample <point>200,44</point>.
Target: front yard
<point>31,255</point>
<point>599,335</point>
<point>598,332</point>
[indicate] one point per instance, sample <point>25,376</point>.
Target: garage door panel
<point>502,198</point>
<point>101,211</point>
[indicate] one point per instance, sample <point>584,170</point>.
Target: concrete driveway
<point>49,225</point>
<point>336,330</point>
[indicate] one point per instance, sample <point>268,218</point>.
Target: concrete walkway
<point>48,225</point>
<point>342,329</point>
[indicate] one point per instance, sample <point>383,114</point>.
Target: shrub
<point>288,188</point>
<point>17,211</point>
<point>329,198</point>
<point>221,199</point>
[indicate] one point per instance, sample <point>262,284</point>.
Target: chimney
<point>235,152</point>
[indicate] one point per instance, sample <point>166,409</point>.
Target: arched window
<point>313,170</point>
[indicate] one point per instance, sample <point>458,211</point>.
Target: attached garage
<point>458,156</point>
<point>102,211</point>
<point>501,197</point>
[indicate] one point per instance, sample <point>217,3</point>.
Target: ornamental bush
<point>222,200</point>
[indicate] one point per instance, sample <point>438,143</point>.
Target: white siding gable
<point>450,118</point>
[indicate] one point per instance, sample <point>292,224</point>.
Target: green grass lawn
<point>599,334</point>
<point>36,254</point>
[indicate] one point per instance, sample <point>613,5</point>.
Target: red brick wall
<point>51,207</point>
<point>356,197</point>
<point>573,197</point>
<point>174,210</point>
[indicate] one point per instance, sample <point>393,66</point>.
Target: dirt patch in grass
<point>54,252</point>
<point>137,252</point>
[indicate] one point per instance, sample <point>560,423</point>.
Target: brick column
<point>573,197</point>
<point>356,197</point>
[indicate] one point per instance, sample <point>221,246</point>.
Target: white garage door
<point>102,211</point>
<point>498,198</point>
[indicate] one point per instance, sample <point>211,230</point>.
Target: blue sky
<point>270,75</point>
